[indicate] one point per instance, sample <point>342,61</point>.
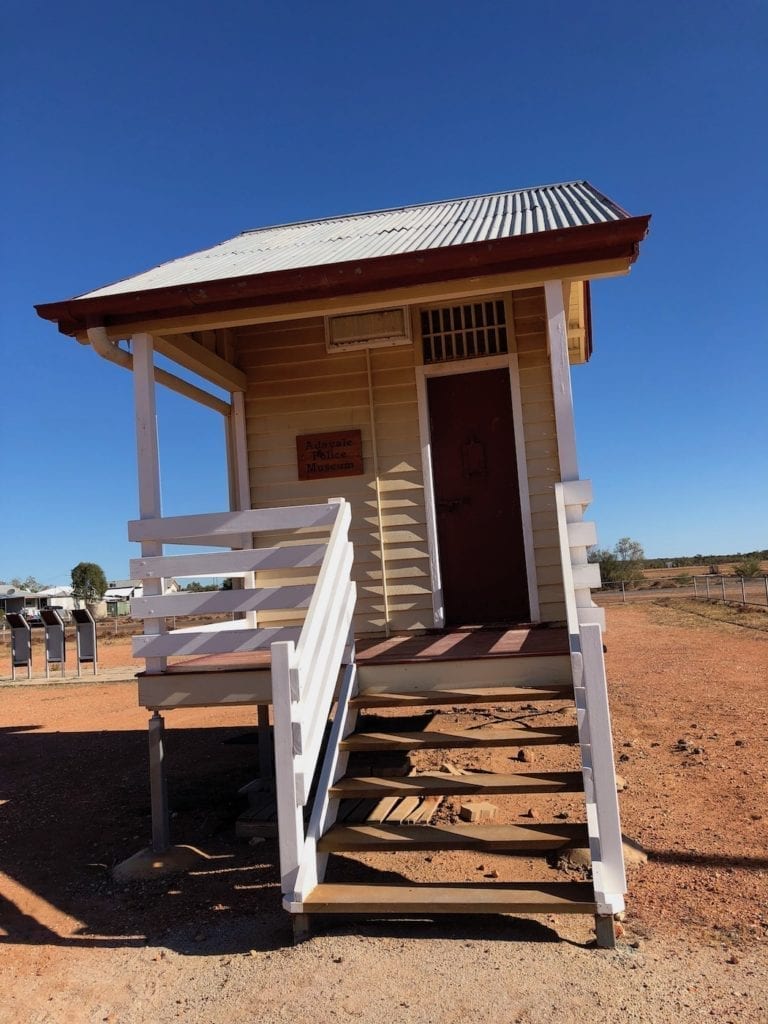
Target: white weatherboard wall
<point>296,387</point>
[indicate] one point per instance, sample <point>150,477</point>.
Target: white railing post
<point>608,868</point>
<point>148,460</point>
<point>290,813</point>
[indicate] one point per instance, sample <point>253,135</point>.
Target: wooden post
<point>706,580</point>
<point>557,336</point>
<point>743,592</point>
<point>161,832</point>
<point>765,580</point>
<point>722,585</point>
<point>623,593</point>
<point>695,588</point>
<point>148,458</point>
<point>610,880</point>
<point>290,814</point>
<point>266,771</point>
<point>240,482</point>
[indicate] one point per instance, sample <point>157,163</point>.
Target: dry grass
<point>686,611</point>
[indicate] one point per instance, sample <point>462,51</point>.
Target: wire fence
<point>745,590</point>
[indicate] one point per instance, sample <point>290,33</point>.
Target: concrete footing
<point>147,864</point>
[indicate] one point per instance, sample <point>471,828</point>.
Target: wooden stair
<point>427,899</point>
<point>459,836</point>
<point>470,784</point>
<point>462,695</point>
<point>430,898</point>
<point>460,738</point>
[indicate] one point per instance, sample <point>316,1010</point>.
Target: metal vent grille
<point>464,332</point>
<point>367,330</point>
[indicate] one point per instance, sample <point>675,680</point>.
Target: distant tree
<point>622,564</point>
<point>199,588</point>
<point>30,584</point>
<point>748,566</point>
<point>89,584</point>
<point>628,550</point>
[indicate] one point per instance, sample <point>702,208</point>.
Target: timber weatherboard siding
<point>295,387</point>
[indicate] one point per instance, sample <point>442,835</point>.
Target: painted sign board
<point>338,453</point>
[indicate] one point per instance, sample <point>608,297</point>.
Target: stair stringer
<point>325,808</point>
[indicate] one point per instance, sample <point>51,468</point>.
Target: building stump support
<point>605,931</point>
<point>301,928</point>
<point>161,831</point>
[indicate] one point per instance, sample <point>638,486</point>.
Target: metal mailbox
<point>55,640</point>
<point>21,643</point>
<point>85,635</point>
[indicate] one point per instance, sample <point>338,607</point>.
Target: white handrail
<point>305,678</point>
<point>584,622</point>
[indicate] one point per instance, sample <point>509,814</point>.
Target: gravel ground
<point>212,947</point>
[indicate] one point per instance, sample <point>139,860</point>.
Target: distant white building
<point>119,594</point>
<point>56,597</point>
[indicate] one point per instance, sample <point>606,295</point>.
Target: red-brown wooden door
<point>477,497</point>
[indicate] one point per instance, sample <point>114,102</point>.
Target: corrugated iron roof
<point>365,236</point>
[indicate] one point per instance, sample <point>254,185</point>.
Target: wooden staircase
<point>427,898</point>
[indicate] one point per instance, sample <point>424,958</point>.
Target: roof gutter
<point>589,243</point>
<point>111,351</point>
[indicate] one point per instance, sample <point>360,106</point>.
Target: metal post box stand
<point>55,641</point>
<point>85,635</point>
<point>21,643</point>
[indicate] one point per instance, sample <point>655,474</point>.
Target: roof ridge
<point>411,206</point>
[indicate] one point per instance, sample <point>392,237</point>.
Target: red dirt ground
<point>74,801</point>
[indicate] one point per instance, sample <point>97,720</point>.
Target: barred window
<point>464,332</point>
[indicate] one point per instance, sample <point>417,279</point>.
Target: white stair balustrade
<point>222,529</point>
<point>585,625</point>
<point>306,678</point>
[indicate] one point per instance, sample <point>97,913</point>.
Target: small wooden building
<point>399,380</point>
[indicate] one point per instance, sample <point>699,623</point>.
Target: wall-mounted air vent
<point>368,330</point>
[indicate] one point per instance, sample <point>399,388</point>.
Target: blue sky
<point>137,132</point>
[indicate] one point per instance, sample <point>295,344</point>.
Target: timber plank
<point>459,836</point>
<point>444,784</point>
<point>402,810</point>
<point>428,899</point>
<point>460,738</point>
<point>469,695</point>
<point>383,808</point>
<point>425,811</point>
